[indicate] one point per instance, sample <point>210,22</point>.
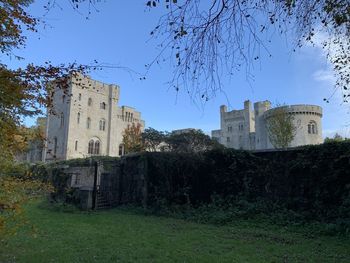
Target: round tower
<point>307,120</point>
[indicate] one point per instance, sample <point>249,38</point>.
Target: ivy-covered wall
<point>312,180</point>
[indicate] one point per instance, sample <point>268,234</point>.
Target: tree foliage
<point>23,93</point>
<point>17,186</point>
<point>280,127</point>
<point>207,40</point>
<point>191,141</point>
<point>152,139</point>
<point>336,138</point>
<point>179,141</point>
<point>132,139</point>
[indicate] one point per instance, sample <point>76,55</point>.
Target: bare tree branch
<point>207,41</point>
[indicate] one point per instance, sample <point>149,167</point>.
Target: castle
<point>87,121</point>
<point>246,129</point>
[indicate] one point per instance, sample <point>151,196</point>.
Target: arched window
<point>97,148</point>
<point>102,125</point>
<point>88,123</point>
<point>94,147</point>
<point>103,105</point>
<point>121,149</point>
<point>312,127</point>
<point>89,102</point>
<point>91,147</point>
<point>76,146</point>
<point>62,119</point>
<point>79,96</point>
<point>54,145</point>
<point>78,117</point>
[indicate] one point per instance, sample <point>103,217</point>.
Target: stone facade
<point>87,120</point>
<point>246,128</point>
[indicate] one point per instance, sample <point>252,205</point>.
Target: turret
<point>261,106</point>
<point>247,105</point>
<point>223,108</point>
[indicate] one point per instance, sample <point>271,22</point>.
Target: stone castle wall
<point>303,117</point>
<point>90,114</point>
<point>246,129</point>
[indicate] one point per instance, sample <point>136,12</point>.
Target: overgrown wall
<point>312,180</point>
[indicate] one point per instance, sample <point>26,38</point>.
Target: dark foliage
<point>312,181</point>
<point>306,184</point>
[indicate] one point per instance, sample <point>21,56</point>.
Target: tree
<point>17,186</point>
<point>190,141</point>
<point>152,139</point>
<point>280,127</point>
<point>23,93</point>
<point>207,40</point>
<point>132,139</point>
<point>336,138</point>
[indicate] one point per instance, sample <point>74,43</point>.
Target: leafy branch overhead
<point>208,40</point>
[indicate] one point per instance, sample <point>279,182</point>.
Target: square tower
<point>86,120</point>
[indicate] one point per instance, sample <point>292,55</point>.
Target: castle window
<point>78,118</point>
<point>88,123</point>
<point>121,149</point>
<point>76,145</point>
<point>312,127</point>
<point>62,119</point>
<point>102,125</point>
<point>97,148</point>
<point>79,96</point>
<point>94,147</point>
<point>228,139</point>
<point>229,128</point>
<point>103,105</point>
<point>91,147</point>
<point>89,102</point>
<point>77,179</point>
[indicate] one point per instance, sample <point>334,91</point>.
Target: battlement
<point>298,109</point>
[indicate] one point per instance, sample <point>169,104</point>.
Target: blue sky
<point>118,34</point>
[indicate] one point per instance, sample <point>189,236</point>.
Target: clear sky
<point>118,34</point>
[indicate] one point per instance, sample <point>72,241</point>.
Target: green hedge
<point>313,181</point>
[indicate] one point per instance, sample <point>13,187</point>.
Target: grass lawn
<point>120,236</point>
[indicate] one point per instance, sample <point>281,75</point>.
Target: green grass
<point>121,236</point>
